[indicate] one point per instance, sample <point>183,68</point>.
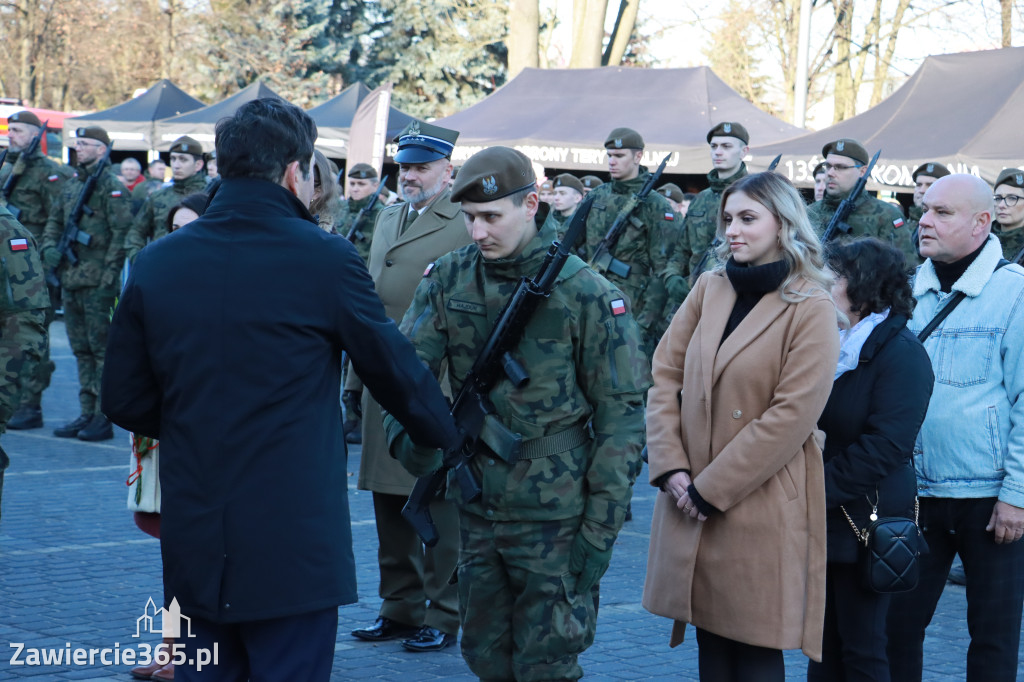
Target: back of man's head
<point>262,138</point>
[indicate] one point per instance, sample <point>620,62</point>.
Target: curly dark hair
<point>876,276</point>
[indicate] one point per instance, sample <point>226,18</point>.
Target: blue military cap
<point>422,142</point>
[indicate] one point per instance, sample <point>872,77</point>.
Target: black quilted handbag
<point>889,552</point>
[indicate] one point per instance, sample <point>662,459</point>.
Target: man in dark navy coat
<point>226,345</point>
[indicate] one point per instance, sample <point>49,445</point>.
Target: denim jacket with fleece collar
<point>971,444</point>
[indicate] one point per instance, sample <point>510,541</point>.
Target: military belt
<point>557,443</point>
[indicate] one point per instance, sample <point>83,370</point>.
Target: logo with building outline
<point>170,620</point>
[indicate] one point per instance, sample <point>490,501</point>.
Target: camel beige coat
<point>396,264</point>
<point>741,418</point>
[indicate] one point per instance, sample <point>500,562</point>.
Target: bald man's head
<point>957,217</point>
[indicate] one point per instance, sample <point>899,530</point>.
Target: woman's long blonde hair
<point>801,249</point>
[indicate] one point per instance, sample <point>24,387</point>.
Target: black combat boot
<point>26,417</point>
<point>71,429</point>
<point>98,428</point>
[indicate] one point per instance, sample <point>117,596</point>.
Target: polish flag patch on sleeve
<point>670,216</point>
<point>53,178</point>
<point>116,193</point>
<point>898,223</point>
<point>618,307</point>
<point>430,267</point>
<point>18,244</point>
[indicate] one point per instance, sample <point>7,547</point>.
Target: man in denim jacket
<point>970,452</point>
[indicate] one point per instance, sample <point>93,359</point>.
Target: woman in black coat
<point>878,402</point>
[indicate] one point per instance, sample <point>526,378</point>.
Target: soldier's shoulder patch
<point>430,268</point>
<point>18,244</point>
<point>467,307</point>
<point>897,223</point>
<point>670,216</point>
<point>618,307</point>
<point>116,193</point>
<point>53,178</point>
<point>75,174</point>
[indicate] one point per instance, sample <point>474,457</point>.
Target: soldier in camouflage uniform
<point>644,243</point>
<point>1009,218</point>
<point>37,186</point>
<point>692,250</point>
<point>847,161</point>
<point>151,220</point>
<point>91,284</point>
<point>924,175</point>
<point>24,305</point>
<point>590,183</point>
<point>567,193</point>
<point>538,540</point>
<point>362,183</point>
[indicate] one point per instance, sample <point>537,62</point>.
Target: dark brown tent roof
<point>963,110</point>
<point>561,117</point>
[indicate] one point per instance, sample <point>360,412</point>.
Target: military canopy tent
<point>334,120</point>
<point>962,110</point>
<point>131,124</point>
<point>560,118</point>
<point>200,124</point>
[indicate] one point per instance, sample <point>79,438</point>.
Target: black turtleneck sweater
<point>949,273</point>
<point>751,283</point>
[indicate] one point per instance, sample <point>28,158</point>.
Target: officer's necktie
<point>410,218</point>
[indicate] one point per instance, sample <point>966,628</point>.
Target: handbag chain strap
<point>863,535</point>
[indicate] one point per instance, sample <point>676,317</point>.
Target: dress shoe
<point>145,672</point>
<point>957,576</point>
<point>164,674</point>
<point>26,417</point>
<point>385,629</point>
<point>98,428</point>
<point>70,430</point>
<point>429,639</point>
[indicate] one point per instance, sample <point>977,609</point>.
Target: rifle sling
<point>954,301</point>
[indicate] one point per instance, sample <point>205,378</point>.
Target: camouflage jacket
<point>37,188</point>
<point>557,222</point>
<point>151,221</point>
<point>23,304</point>
<point>1012,241</point>
<point>582,350</point>
<point>870,218</point>
<point>643,246</point>
<point>347,215</point>
<point>100,262</point>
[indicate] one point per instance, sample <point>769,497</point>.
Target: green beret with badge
<point>624,138</point>
<point>672,192</point>
<point>567,180</point>
<point>26,117</point>
<point>492,174</point>
<point>93,133</point>
<point>1014,177</point>
<point>187,145</point>
<point>932,169</point>
<point>819,169</point>
<point>729,129</point>
<point>362,171</point>
<point>851,149</point>
<point>591,181</point>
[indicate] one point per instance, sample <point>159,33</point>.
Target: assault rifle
<point>603,261</point>
<point>472,409</point>
<point>354,233</point>
<point>19,170</point>
<point>72,234</point>
<point>846,206</point>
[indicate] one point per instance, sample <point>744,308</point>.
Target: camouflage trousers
<point>38,380</point>
<point>522,618</point>
<point>87,318</point>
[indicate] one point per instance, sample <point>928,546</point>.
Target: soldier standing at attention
<point>567,195</point>
<point>36,186</point>
<point>24,309</point>
<point>91,284</point>
<point>1009,207</point>
<point>729,144</point>
<point>846,161</point>
<point>362,183</point>
<point>644,243</point>
<point>924,175</point>
<point>419,606</point>
<point>538,540</point>
<point>151,220</point>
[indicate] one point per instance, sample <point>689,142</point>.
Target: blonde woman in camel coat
<point>740,378</point>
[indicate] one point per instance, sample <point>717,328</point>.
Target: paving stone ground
<point>74,570</point>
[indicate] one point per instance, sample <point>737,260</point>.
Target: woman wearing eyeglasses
<point>1009,213</point>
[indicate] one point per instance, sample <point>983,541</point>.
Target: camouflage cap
<point>422,143</point>
<point>851,149</point>
<point>93,133</point>
<point>492,174</point>
<point>730,129</point>
<point>567,180</point>
<point>26,117</point>
<point>932,169</point>
<point>362,171</point>
<point>820,168</point>
<point>1014,177</point>
<point>624,138</point>
<point>591,181</point>
<point>671,191</point>
<point>186,145</point>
